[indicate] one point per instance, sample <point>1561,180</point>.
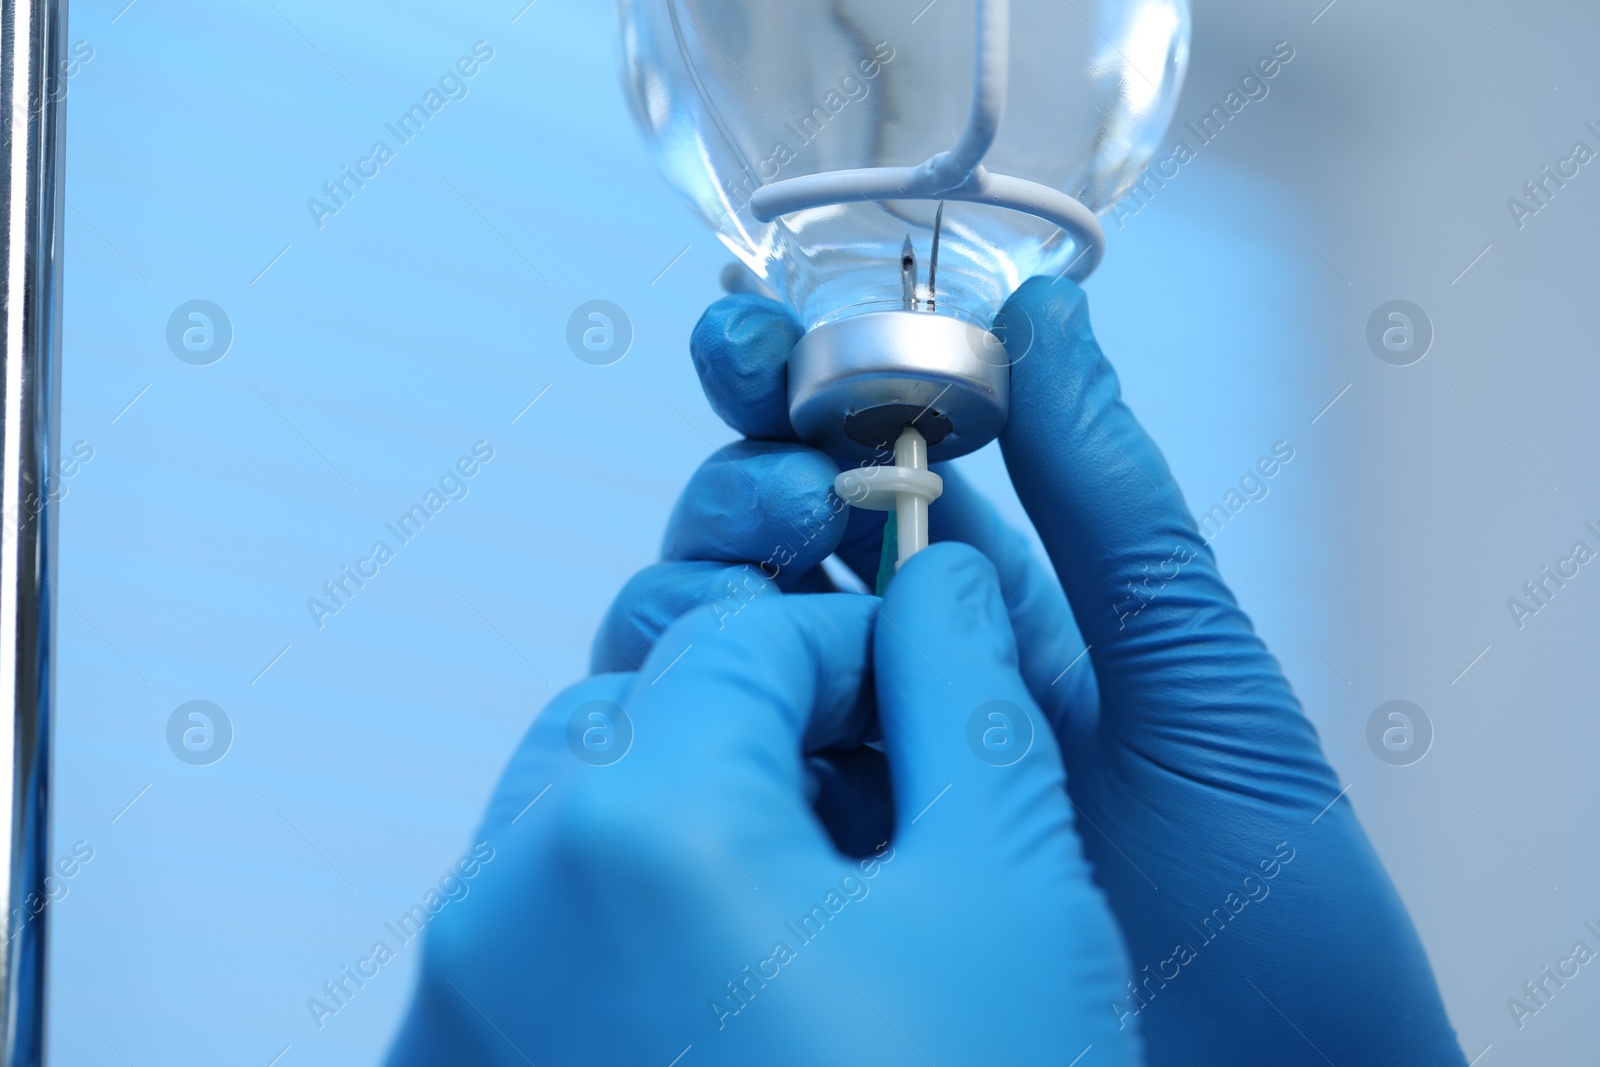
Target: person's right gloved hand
<point>674,897</point>
<point>1262,926</point>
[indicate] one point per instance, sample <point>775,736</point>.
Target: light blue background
<point>370,353</point>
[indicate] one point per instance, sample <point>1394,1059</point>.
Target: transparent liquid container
<point>736,96</point>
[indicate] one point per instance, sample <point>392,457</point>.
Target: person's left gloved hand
<point>1192,767</point>
<point>673,894</point>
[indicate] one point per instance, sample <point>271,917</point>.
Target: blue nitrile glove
<point>671,894</point>
<point>1263,929</point>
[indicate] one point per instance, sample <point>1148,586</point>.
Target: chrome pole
<point>32,112</point>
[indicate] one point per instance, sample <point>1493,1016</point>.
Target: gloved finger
<point>1048,642</point>
<point>544,759</point>
<point>839,782</point>
<point>851,793</point>
<point>660,595</point>
<point>731,710</point>
<point>765,508</point>
<point>968,749</point>
<point>1142,583</point>
<point>763,502</point>
<point>740,348</point>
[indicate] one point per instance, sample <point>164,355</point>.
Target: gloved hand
<point>684,894</point>
<point>1262,927</point>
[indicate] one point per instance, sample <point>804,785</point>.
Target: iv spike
<point>933,257</point>
<point>908,274</point>
<point>905,487</point>
<point>911,508</point>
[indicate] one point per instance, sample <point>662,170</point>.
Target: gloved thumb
<point>973,762</point>
<point>1136,569</point>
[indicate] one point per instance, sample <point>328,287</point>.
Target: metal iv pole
<point>32,91</point>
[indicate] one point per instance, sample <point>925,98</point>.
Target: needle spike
<point>908,275</point>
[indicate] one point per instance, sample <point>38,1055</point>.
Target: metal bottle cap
<point>855,382</point>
